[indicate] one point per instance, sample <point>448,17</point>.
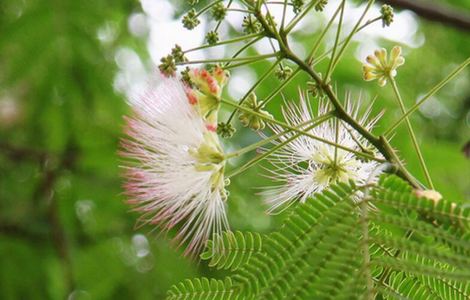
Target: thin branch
<point>446,14</point>
<point>17,153</point>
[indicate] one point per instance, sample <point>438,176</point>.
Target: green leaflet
<point>202,289</point>
<point>232,250</point>
<point>417,248</point>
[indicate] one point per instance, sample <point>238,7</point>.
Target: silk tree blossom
<point>306,166</point>
<point>175,163</point>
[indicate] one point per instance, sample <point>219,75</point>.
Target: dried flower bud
<point>387,15</point>
<point>251,120</point>
<point>251,25</point>
<point>167,66</point>
<point>219,11</point>
<point>225,130</point>
<point>178,54</point>
<point>380,66</point>
<point>320,6</point>
<point>429,194</point>
<point>297,5</point>
<point>212,37</point>
<point>283,73</point>
<point>190,20</point>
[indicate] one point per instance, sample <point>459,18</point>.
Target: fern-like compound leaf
<point>232,249</point>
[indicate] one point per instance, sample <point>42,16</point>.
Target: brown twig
<point>17,153</point>
<point>45,191</point>
<point>446,14</point>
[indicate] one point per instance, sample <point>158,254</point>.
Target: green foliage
<point>60,77</point>
<point>415,248</point>
<point>232,250</point>
<point>202,289</point>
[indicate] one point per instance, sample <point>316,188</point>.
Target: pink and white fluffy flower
<point>307,166</point>
<point>175,164</point>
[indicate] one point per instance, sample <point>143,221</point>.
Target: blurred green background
<point>66,68</point>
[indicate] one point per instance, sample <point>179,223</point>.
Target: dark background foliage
<point>65,231</point>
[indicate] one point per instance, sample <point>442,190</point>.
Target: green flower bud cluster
<point>167,66</point>
<point>387,15</point>
<point>320,6</point>
<point>251,120</point>
<point>178,54</point>
<point>193,2</point>
<point>185,77</point>
<point>225,130</point>
<point>297,5</point>
<point>168,63</point>
<point>251,25</point>
<point>219,11</point>
<point>314,89</point>
<point>212,37</point>
<point>282,73</point>
<point>190,20</point>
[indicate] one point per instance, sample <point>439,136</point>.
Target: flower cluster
<point>306,166</point>
<point>212,37</point>
<point>175,169</point>
<point>250,119</point>
<point>219,11</point>
<point>190,20</point>
<point>320,6</point>
<point>178,54</point>
<point>225,130</point>
<point>168,65</point>
<point>283,73</point>
<point>251,25</point>
<point>382,67</point>
<point>207,92</point>
<point>387,15</point>
<point>297,5</point>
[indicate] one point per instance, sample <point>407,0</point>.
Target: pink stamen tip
<point>219,71</point>
<point>192,98</point>
<point>204,73</point>
<point>211,127</point>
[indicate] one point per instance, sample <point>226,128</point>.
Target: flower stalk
<point>411,132</point>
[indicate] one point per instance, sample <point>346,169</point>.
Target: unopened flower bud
<point>178,54</point>
<point>283,73</point>
<point>207,91</point>
<point>250,120</point>
<point>320,6</point>
<point>167,66</point>
<point>314,89</point>
<point>185,77</point>
<point>297,5</point>
<point>387,15</point>
<point>219,11</point>
<point>212,37</point>
<point>225,130</point>
<point>190,20</point>
<point>251,25</point>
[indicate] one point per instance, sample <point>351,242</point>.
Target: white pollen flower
<point>175,165</point>
<point>306,166</point>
